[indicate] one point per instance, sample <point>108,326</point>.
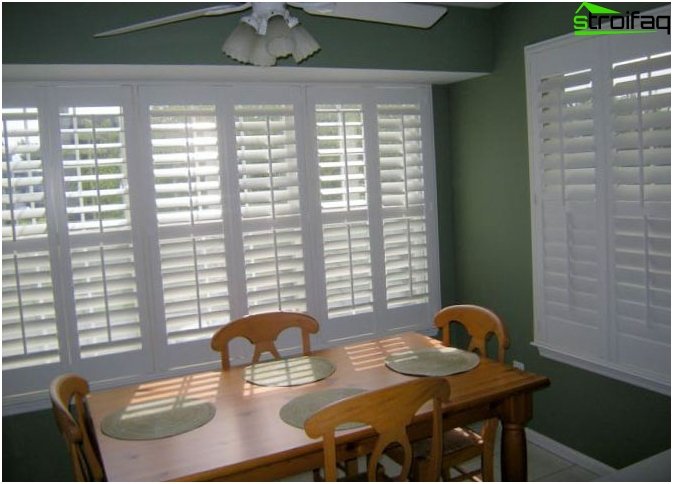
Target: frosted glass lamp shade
<point>239,45</point>
<point>260,55</point>
<point>304,44</point>
<point>279,40</point>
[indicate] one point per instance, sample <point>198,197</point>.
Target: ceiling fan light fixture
<point>240,43</point>
<point>245,45</point>
<point>304,44</point>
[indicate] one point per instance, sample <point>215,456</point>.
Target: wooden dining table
<point>246,440</point>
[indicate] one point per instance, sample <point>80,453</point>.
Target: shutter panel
<point>343,201</point>
<point>185,153</point>
<point>640,175</point>
<point>270,210</point>
<point>568,196</point>
<point>403,201</point>
<point>29,329</point>
<point>99,227</point>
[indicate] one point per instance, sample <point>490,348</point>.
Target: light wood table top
<point>247,440</point>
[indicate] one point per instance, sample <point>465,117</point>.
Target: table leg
<point>514,413</point>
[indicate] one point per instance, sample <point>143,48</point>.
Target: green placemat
<point>296,411</point>
<point>289,372</point>
<point>432,362</point>
<point>157,419</point>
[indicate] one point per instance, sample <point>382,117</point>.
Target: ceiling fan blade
<point>407,14</point>
<point>210,11</point>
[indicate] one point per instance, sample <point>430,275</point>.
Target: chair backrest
<point>388,411</point>
<point>262,330</point>
<point>66,392</point>
<point>479,322</point>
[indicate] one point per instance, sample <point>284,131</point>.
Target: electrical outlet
<point>519,365</point>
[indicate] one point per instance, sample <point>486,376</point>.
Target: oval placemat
<point>432,361</point>
<point>296,411</point>
<point>289,372</point>
<point>157,419</point>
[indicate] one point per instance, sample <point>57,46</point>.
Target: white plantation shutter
<point>640,190</point>
<point>99,228</point>
<point>599,122</point>
<point>185,155</point>
<point>29,329</point>
<point>270,211</point>
<point>403,200</point>
<point>138,218</point>
<point>340,140</point>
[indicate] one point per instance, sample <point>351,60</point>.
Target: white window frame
<point>595,350</point>
<point>25,390</point>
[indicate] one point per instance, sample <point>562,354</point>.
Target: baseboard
<point>567,453</point>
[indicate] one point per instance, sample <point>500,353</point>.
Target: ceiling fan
<point>270,32</point>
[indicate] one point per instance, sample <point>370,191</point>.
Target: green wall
<point>33,449</point>
<point>613,422</point>
<point>62,33</point>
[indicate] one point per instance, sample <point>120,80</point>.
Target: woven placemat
<point>296,411</point>
<point>157,419</point>
<point>432,362</point>
<point>289,372</point>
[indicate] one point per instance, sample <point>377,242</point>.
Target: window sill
<point>606,369</point>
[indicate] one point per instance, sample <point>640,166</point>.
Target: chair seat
<point>458,439</point>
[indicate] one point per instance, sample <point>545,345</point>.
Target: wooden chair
<point>66,392</point>
<point>463,444</point>
<point>388,411</point>
<point>262,330</point>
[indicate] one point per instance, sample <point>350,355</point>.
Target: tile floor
<point>543,466</point>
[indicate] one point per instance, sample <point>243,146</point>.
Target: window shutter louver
<point>29,329</point>
<point>640,177</point>
<point>99,229</point>
<point>270,211</point>
<point>185,153</point>
<point>403,200</point>
<point>340,142</point>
